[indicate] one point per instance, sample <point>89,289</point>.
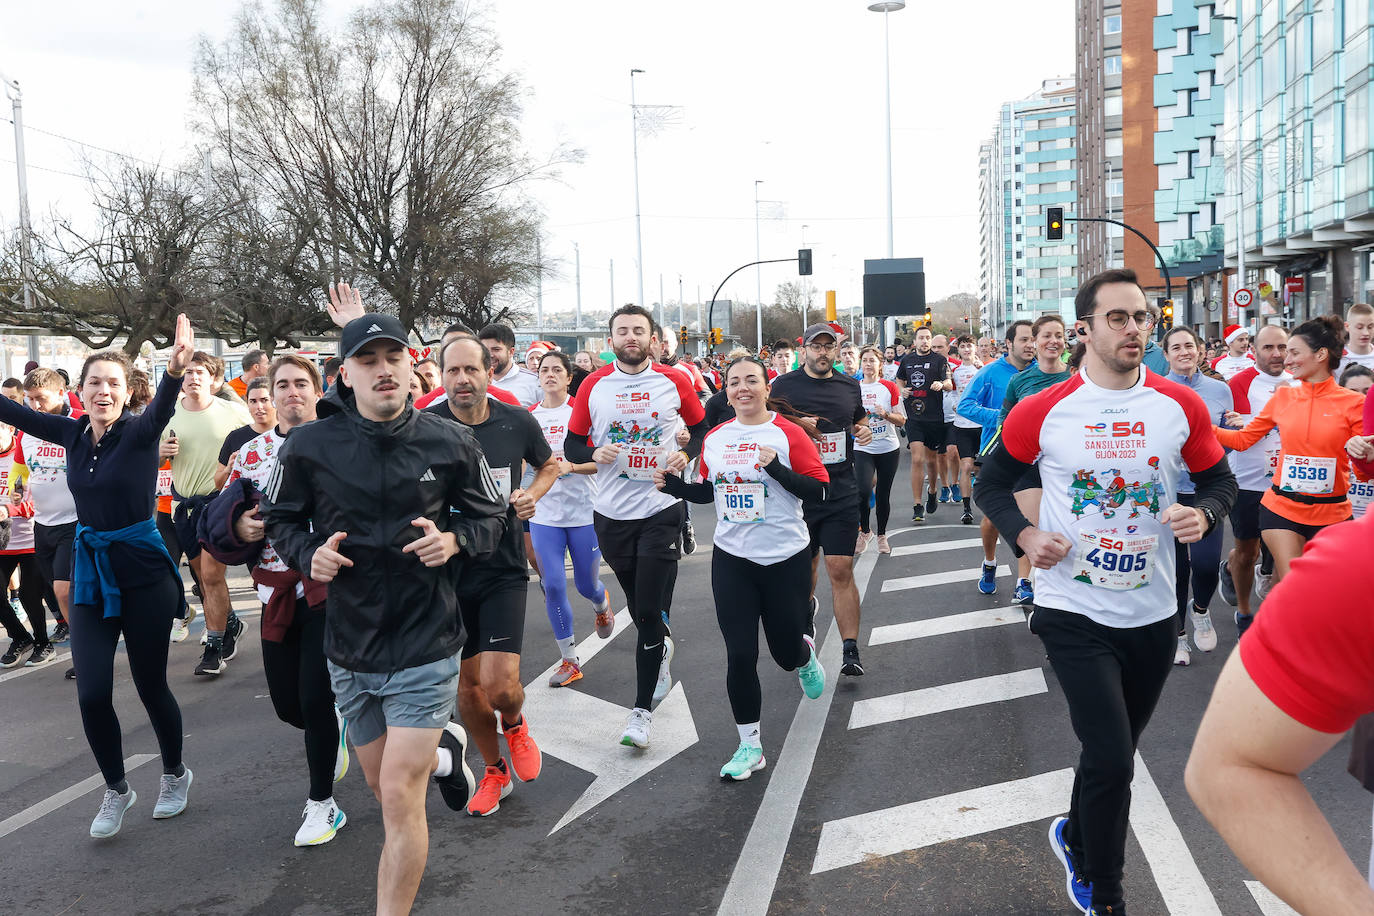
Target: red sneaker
<point>525,758</point>
<point>495,785</point>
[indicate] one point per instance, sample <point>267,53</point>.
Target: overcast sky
<point>790,93</point>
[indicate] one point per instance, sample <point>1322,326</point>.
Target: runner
<point>262,416</point>
<point>1238,357</point>
<point>625,419</point>
<point>1315,419</point>
<point>428,369</point>
<point>947,463</point>
<point>1197,562</point>
<point>784,358</point>
<point>507,375</point>
<point>758,469</point>
<point>967,435</point>
<point>836,401</point>
<point>123,583</point>
<point>1357,378</point>
<point>492,590</point>
<point>562,525</point>
<point>849,358</point>
<point>1104,603</point>
<point>890,364</point>
<point>392,630</point>
<point>253,366</point>
<point>665,354</point>
<point>923,375</point>
<point>1359,345</point>
<point>18,555</point>
<point>879,458</point>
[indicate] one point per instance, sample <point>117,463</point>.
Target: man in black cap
<point>374,499</point>
<point>836,402</point>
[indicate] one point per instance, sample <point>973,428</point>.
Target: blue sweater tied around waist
<point>92,575</point>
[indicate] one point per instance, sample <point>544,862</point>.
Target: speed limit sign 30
<point>1242,298</point>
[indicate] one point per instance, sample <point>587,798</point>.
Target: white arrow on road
<point>585,730</point>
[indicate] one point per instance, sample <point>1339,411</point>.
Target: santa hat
<point>539,346</point>
<point>1233,331</point>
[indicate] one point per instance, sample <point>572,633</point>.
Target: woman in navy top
<point>123,580</point>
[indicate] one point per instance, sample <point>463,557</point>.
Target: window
<point>1111,25</point>
<point>1112,65</point>
<point>1116,187</point>
<point>1114,146</point>
<point>1111,105</point>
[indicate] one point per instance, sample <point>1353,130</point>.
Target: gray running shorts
<point>425,696</point>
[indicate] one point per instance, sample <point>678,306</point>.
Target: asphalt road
<point>893,793</point>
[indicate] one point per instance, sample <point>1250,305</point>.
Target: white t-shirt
<point>1228,366</point>
<point>1351,359</point>
<point>881,397</point>
<point>757,519</point>
<point>522,383</point>
<point>641,414</point>
<point>1110,461</point>
<point>963,375</point>
<point>890,370</point>
<point>1255,466</point>
<point>53,503</point>
<point>20,514</point>
<point>256,460</point>
<point>568,503</point>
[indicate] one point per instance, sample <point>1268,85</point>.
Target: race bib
<point>879,427</point>
<point>1305,474</point>
<point>1271,460</point>
<point>1361,494</point>
<point>164,482</point>
<point>741,503</point>
<point>833,448</point>
<point>502,478</point>
<point>1115,563</point>
<point>642,460</point>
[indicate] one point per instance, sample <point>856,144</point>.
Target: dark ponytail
<point>777,405</point>
<point>1324,331</point>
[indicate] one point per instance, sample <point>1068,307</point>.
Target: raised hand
<point>183,346</point>
<point>345,304</point>
<point>326,561</point>
<point>435,547</point>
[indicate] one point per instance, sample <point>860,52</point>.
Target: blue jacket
<point>1154,360</point>
<point>982,400</point>
<point>93,578</point>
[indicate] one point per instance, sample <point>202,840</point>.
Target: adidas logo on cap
<point>373,328</point>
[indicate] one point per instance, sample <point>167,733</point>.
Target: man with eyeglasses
<point>1110,443</point>
<point>836,402</point>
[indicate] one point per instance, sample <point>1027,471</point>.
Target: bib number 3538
<point>1115,563</point>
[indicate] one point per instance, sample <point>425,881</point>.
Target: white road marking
<point>1268,902</point>
<point>888,831</point>
<point>1180,882</point>
<point>936,547</point>
<point>69,794</point>
<point>940,578</point>
<point>976,692</point>
<point>21,670</point>
<point>756,871</point>
<point>953,623</point>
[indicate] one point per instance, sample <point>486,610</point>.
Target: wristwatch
<point>1211,518</point>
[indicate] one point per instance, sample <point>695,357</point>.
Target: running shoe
<point>862,543</point>
<point>811,675</point>
<point>459,785</point>
<point>70,674</point>
<point>850,665</point>
<point>1024,593</point>
<point>171,794</point>
<point>987,582</point>
<point>319,822</point>
<point>883,545</point>
<point>955,494</point>
<point>1080,892</point>
<point>1263,582</point>
<point>568,672</point>
<point>605,618</point>
<point>341,755</point>
<point>665,674</point>
<point>1228,585</point>
<point>931,504</point>
<point>41,655</point>
<point>496,784</point>
<point>967,517</point>
<point>689,538</point>
<point>110,817</point>
<point>637,728</point>
<point>525,758</point>
<point>61,633</point>
<point>1182,657</point>
<point>179,630</point>
<point>811,619</point>
<point>747,760</point>
<point>918,514</point>
<point>1107,910</point>
<point>1204,634</point>
<point>944,494</point>
<point>1243,622</point>
<point>16,652</point>
<point>232,631</point>
<point>211,664</point>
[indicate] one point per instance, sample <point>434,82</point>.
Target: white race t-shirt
<point>890,371</point>
<point>1228,366</point>
<point>522,383</point>
<point>1251,390</point>
<point>881,397</point>
<point>256,460</point>
<point>1355,359</point>
<point>568,503</point>
<point>963,375</point>
<point>53,503</point>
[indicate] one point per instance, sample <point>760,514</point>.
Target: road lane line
<point>69,794</point>
<point>888,831</point>
<point>941,578</point>
<point>935,547</point>
<point>760,861</point>
<point>1180,882</point>
<point>952,623</point>
<point>1268,902</point>
<point>946,697</point>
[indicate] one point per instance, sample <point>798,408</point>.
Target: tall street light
<point>885,7</point>
<point>16,97</point>
<point>639,228</point>
<point>1240,176</point>
<point>758,270</point>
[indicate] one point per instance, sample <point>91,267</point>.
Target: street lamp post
<point>16,97</point>
<point>639,227</point>
<point>885,7</point>
<point>758,272</point>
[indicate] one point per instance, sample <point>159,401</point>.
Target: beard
<point>635,358</point>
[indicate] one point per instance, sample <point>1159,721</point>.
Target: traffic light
<point>715,337</point>
<point>1166,311</point>
<point>804,262</point>
<point>930,319</point>
<point>682,335</point>
<point>1054,224</point>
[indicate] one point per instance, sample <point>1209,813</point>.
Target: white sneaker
<point>1204,634</point>
<point>341,755</point>
<point>321,820</point>
<point>862,543</point>
<point>637,728</point>
<point>1181,654</point>
<point>179,629</point>
<point>665,677</point>
<point>1262,583</point>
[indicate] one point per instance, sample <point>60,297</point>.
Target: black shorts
<point>624,540</point>
<point>1029,480</point>
<point>52,548</point>
<point>834,526</point>
<point>967,439</point>
<point>1270,520</point>
<point>494,617</point>
<point>929,432</point>
<point>1245,515</point>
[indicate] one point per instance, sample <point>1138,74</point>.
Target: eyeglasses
<point>823,347</point>
<point>1117,318</point>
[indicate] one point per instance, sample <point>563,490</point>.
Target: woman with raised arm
<point>123,580</point>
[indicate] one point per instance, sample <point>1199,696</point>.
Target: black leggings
<point>885,467</point>
<point>298,682</point>
<point>30,596</point>
<point>173,544</point>
<point>747,593</point>
<point>146,624</point>
<point>1199,564</point>
<point>648,586</point>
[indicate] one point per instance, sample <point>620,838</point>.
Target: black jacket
<point>215,525</point>
<point>388,611</point>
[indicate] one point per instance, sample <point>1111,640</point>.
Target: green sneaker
<point>812,675</point>
<point>746,760</point>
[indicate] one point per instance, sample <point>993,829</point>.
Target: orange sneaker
<point>495,785</point>
<point>567,673</point>
<point>525,758</point>
<point>605,618</point>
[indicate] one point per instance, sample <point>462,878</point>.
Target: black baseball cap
<point>360,332</point>
<point>816,330</point>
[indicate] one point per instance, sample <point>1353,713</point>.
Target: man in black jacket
<point>359,497</point>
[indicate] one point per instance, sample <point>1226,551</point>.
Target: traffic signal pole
<point>1163,268</point>
<point>711,312</point>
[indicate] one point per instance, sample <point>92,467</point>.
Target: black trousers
<point>746,594</point>
<point>1112,679</point>
<point>884,467</point>
<point>30,596</point>
<point>298,682</point>
<point>146,624</point>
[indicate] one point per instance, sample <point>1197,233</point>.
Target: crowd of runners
<point>391,508</point>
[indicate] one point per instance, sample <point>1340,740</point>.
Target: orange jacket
<point>1313,421</point>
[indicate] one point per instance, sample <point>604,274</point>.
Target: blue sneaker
<point>944,494</point>
<point>955,494</point>
<point>1243,622</point>
<point>1024,593</point>
<point>987,584</point>
<point>1080,892</point>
